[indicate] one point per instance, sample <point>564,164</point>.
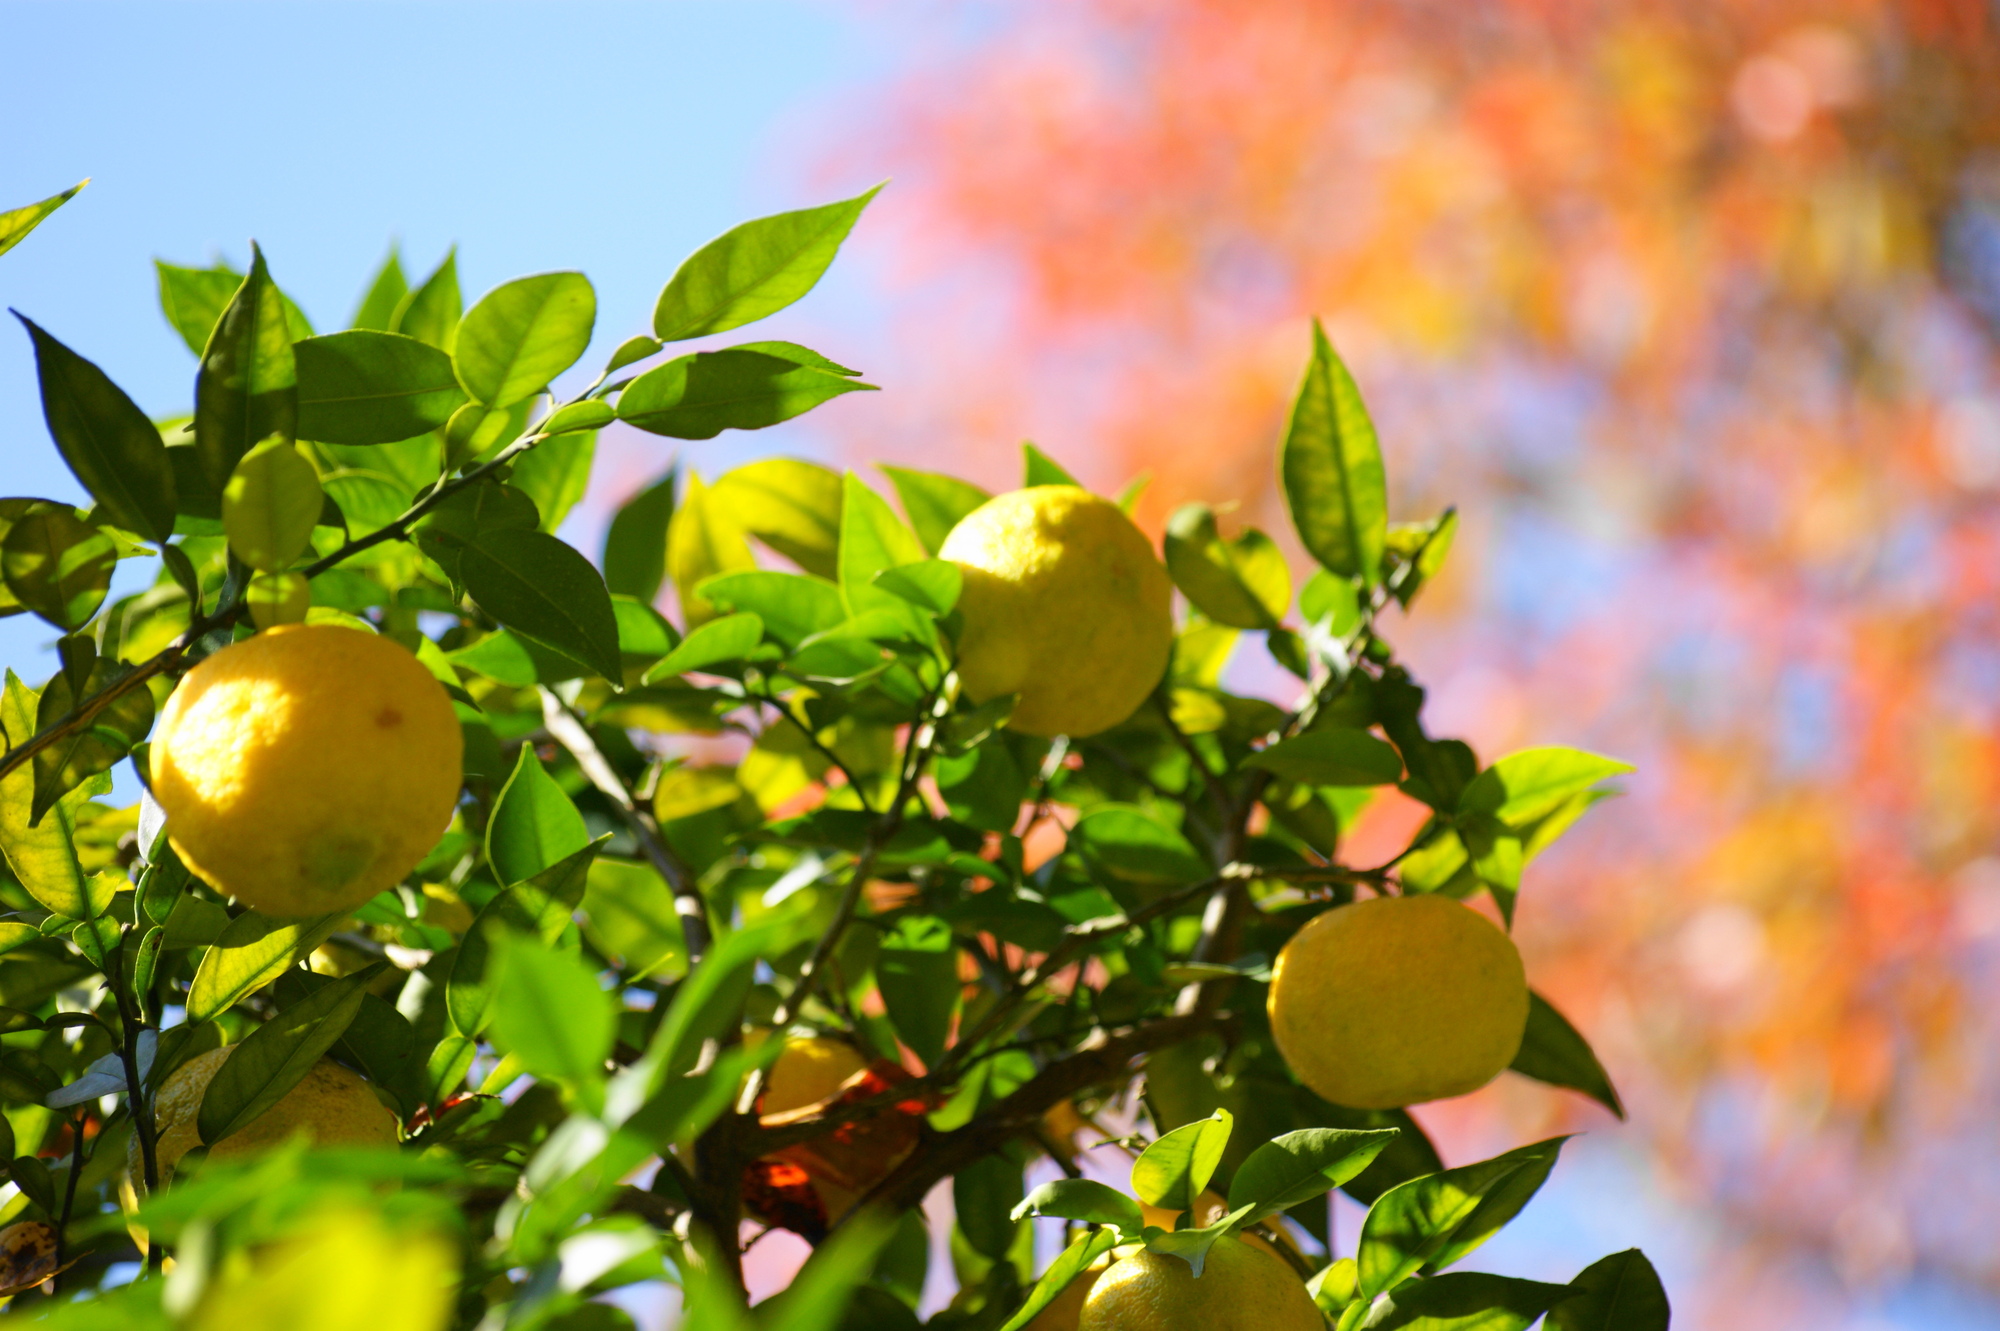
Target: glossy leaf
<point>1242,583</point>
<point>1526,785</point>
<point>790,505</point>
<point>1132,844</point>
<point>633,350</point>
<point>193,299</point>
<point>16,223</point>
<point>1084,1249</point>
<point>1621,1292</point>
<point>113,448</point>
<point>1332,470</point>
<point>271,504</point>
<point>431,313</point>
<point>730,638</point>
<point>705,540</point>
<point>792,606</point>
<point>57,566</point>
<point>522,334</point>
<point>247,388</point>
<point>554,473</point>
<point>1413,1223</point>
<point>1084,1200</point>
<point>534,824</point>
<point>368,387</point>
<point>1174,1170</point>
<point>635,544</point>
<point>67,764</point>
<point>1464,1301</point>
<point>934,502</point>
<point>42,856</point>
<point>252,951</point>
<point>917,972</point>
<point>1331,757</point>
<point>1553,1051</point>
<point>549,1011</point>
<point>1292,1169</point>
<point>538,586</point>
<point>1038,468</point>
<point>276,1056</point>
<point>1501,1203</point>
<point>700,395</point>
<point>753,270</point>
<point>378,307</point>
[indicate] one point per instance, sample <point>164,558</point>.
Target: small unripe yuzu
<point>1398,1000</point>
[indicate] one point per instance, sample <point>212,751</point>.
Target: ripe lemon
<point>345,1269</point>
<point>1241,1288</point>
<point>807,1072</point>
<point>331,1104</point>
<point>1398,1000</point>
<point>308,768</point>
<point>813,1184</point>
<point>1065,604</point>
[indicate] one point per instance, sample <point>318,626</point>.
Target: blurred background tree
<point>1700,301</point>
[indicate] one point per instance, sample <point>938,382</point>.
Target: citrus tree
<point>485,940</point>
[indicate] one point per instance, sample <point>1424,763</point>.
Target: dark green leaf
<point>917,972</point>
<point>1621,1292</point>
<point>534,825</point>
<point>1175,1170</point>
<point>554,474</point>
<point>1084,1249</point>
<point>16,223</point>
<point>538,586</point>
<point>701,395</point>
<point>250,953</point>
<point>753,270</point>
<point>247,388</point>
<point>367,387</point>
<point>1413,1223</point>
<point>277,1055</point>
<point>42,857</point>
<point>1302,1165</point>
<point>1466,1301</point>
<point>522,334</point>
<point>1038,468</point>
<point>1131,844</point>
<point>1501,1203</point>
<point>984,1195</point>
<point>635,546</point>
<point>32,1177</point>
<point>385,293</point>
<point>819,1293</point>
<point>1331,758</point>
<point>727,639</point>
<point>934,503</point>
<point>1332,470</point>
<point>1084,1200</point>
<point>1554,1051</point>
<point>108,442</point>
<point>57,566</point>
<point>67,764</point>
<point>792,606</point>
<point>431,312</point>
<point>549,1011</point>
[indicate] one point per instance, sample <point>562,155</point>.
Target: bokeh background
<point>1690,307</point>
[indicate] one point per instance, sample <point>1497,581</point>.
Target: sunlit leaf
<point>1332,469</point>
<point>753,270</point>
<point>522,334</point>
<point>108,442</point>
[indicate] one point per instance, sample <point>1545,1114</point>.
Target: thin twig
<point>825,751</point>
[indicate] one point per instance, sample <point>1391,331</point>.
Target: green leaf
<point>251,951</point>
<point>629,915</point>
<point>917,972</point>
<point>555,472</point>
<point>753,270</point>
<point>1332,757</point>
<point>1331,601</point>
<point>276,1056</point>
<point>730,638</point>
<point>1500,1203</point>
<point>368,387</point>
<point>984,1196</point>
<point>792,606</point>
<point>1553,1051</point>
<point>430,314</point>
<point>16,223</point>
<point>871,540</point>
<point>934,502</point>
<point>540,587</point>
<point>700,395</point>
<point>1242,583</point>
<point>1332,470</point>
<point>193,299</point>
<point>642,630</point>
<point>385,293</point>
<point>271,504</point>
<point>522,334</point>
<point>1299,1166</point>
<point>633,350</point>
<point>1084,1249</point>
<point>539,908</point>
<point>108,442</point>
<point>1527,785</point>
<point>1413,1223</point>
<point>57,566</point>
<point>819,1294</point>
<point>247,389</point>
<point>42,856</point>
<point>790,505</point>
<point>1423,547</point>
<point>1130,843</point>
<point>1084,1200</point>
<point>1038,468</point>
<point>534,824</point>
<point>549,1010</point>
<point>484,511</point>
<point>933,584</point>
<point>635,545</point>
<point>1621,1292</point>
<point>67,764</point>
<point>1467,1301</point>
<point>799,355</point>
<point>704,540</point>
<point>1175,1170</point>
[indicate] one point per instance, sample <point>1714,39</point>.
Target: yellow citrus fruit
<point>345,1271</point>
<point>1067,1310</point>
<point>807,1072</point>
<point>1065,604</point>
<point>331,1105</point>
<point>1241,1288</point>
<point>1398,1000</point>
<point>308,768</point>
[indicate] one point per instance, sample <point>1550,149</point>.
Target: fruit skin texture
<point>308,768</point>
<point>331,1104</point>
<point>807,1072</point>
<point>1241,1288</point>
<point>1064,603</point>
<point>809,1186</point>
<point>1398,1000</point>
